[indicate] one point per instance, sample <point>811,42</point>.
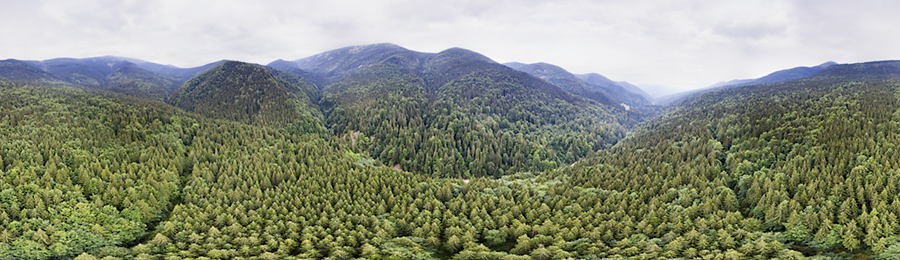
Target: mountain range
<point>141,78</point>
<point>777,76</point>
<point>592,86</point>
<point>408,104</point>
<point>380,152</point>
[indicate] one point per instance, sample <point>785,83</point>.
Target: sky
<point>664,46</point>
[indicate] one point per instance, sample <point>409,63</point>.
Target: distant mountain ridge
<point>129,76</point>
<point>777,76</point>
<point>16,70</point>
<point>595,87</point>
<point>889,69</point>
<point>337,63</point>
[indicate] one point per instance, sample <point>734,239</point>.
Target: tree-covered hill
<point>89,72</point>
<point>460,114</point>
<point>338,63</point>
<point>19,71</point>
<point>597,89</point>
<point>777,76</point>
<point>129,79</point>
<point>386,153</point>
<point>95,174</point>
<point>593,86</point>
<point>251,94</point>
<point>109,73</point>
<point>783,170</point>
<point>759,171</point>
<point>453,113</point>
<point>867,70</point>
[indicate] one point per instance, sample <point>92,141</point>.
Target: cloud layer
<point>690,43</point>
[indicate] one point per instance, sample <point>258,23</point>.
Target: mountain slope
<point>337,63</point>
<point>565,80</point>
<point>866,70</point>
<point>90,72</point>
<point>250,94</point>
<point>90,174</point>
<point>109,73</point>
<point>592,86</point>
<point>460,114</point>
<point>19,71</point>
<point>589,78</point>
<point>778,76</point>
<point>810,161</point>
<point>183,74</point>
<point>129,79</point>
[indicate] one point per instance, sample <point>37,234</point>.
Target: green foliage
<point>78,173</point>
<point>131,80</point>
<point>753,172</point>
<point>250,94</point>
<point>486,123</point>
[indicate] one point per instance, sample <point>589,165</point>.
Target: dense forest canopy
<point>369,164</point>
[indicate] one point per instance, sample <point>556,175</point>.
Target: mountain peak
<point>244,92</point>
<point>826,64</point>
<point>873,69</point>
<point>465,54</point>
<point>338,63</point>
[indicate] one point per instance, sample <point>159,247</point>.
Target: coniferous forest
<point>386,153</point>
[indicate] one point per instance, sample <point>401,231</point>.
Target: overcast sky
<point>687,44</point>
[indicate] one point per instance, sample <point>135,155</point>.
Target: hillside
<point>778,170</point>
<point>592,77</point>
<point>19,71</point>
<point>337,63</point>
<point>593,86</point>
<point>129,79</point>
<point>147,180</point>
<point>802,168</point>
<point>600,80</point>
<point>460,114</point>
<point>777,76</point>
<point>250,94</point>
<point>108,73</point>
<point>763,170</point>
<point>411,109</point>
<point>866,70</point>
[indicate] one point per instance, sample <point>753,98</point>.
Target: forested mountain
<point>597,79</point>
<point>106,73</point>
<point>182,74</point>
<point>460,114</point>
<point>129,76</point>
<point>251,94</point>
<point>129,79</point>
<point>778,76</point>
<point>16,70</point>
<point>867,70</point>
<point>254,162</point>
<point>807,165</point>
<point>593,77</point>
<point>454,113</point>
<point>593,86</point>
<point>337,63</point>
